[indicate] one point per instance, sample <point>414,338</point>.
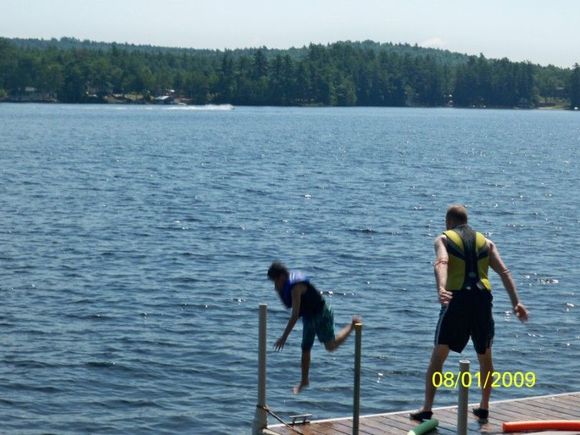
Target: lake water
<point>134,245</point>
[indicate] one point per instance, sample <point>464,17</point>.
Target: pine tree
<point>575,87</point>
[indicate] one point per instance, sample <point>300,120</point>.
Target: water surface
<point>134,244</point>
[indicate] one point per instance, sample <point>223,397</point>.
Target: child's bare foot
<point>300,386</point>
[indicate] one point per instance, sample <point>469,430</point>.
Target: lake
<point>135,240</point>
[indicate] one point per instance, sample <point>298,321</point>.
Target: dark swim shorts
<point>469,314</point>
<point>321,325</point>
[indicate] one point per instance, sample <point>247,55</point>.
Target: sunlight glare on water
<point>135,243</point>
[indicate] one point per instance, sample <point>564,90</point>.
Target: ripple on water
<point>135,245</point>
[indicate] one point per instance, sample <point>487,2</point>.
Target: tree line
<point>339,74</point>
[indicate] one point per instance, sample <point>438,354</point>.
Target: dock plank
<point>553,407</point>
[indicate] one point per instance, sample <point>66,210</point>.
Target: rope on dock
<point>269,411</point>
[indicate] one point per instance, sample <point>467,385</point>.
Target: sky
<point>539,31</point>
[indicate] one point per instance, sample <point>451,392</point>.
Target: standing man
<point>463,257</point>
<point>298,294</point>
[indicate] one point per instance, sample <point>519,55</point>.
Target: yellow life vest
<point>468,259</point>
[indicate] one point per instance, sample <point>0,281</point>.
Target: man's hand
<point>521,312</point>
<point>279,345</point>
<point>445,296</point>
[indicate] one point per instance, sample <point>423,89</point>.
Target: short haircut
<point>457,214</point>
<point>276,270</point>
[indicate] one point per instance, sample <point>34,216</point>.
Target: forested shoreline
<point>339,74</point>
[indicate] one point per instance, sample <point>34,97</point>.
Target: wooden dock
<point>553,407</point>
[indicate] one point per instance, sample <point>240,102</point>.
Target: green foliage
<point>575,87</point>
<point>340,74</point>
<point>484,83</point>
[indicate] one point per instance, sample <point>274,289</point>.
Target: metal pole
<point>356,394</point>
<point>463,383</point>
<point>261,416</point>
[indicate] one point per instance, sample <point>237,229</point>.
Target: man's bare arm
<point>500,268</point>
<point>440,270</point>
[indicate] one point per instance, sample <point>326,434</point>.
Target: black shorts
<point>469,314</point>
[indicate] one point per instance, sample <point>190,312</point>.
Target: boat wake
<point>205,108</point>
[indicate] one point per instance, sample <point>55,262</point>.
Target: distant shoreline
<point>341,74</point>
<point>181,104</point>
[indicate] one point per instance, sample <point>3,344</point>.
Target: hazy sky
<point>541,31</point>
